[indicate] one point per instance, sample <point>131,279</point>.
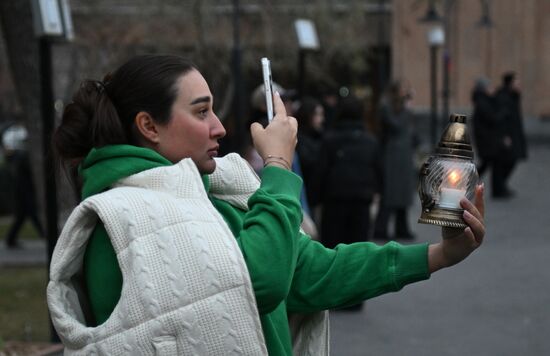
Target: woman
<point>311,117</point>
<point>185,253</point>
<point>399,174</point>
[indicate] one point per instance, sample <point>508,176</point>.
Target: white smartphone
<point>266,71</point>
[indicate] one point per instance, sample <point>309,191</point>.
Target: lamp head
<point>431,15</point>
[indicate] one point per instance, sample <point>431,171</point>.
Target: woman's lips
<point>213,152</point>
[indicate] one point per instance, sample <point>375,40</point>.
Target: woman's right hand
<point>457,244</point>
<point>279,138</point>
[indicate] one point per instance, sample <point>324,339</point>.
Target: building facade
<point>518,40</point>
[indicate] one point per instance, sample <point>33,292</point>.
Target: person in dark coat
<point>508,100</point>
<point>311,117</point>
<point>399,180</point>
<point>487,132</point>
<point>18,162</point>
<point>349,177</point>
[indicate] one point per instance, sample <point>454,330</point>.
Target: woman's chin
<point>207,167</point>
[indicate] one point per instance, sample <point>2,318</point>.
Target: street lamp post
<point>52,21</point>
<point>48,123</point>
<point>433,17</point>
<point>436,37</point>
<point>433,94</point>
<point>446,91</point>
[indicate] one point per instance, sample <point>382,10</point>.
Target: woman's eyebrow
<point>202,99</point>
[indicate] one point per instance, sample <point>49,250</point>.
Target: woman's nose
<point>217,131</point>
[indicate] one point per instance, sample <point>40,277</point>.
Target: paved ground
<point>33,253</point>
<point>497,302</point>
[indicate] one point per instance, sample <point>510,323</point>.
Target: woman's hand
<point>457,244</point>
<point>278,140</point>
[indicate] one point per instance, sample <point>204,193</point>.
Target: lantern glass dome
<point>447,176</point>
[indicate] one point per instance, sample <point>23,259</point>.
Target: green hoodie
<point>289,271</point>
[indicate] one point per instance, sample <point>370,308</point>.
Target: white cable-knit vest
<point>186,289</point>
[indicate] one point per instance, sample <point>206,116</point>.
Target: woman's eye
<point>203,112</point>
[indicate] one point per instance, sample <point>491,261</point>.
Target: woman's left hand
<point>457,244</point>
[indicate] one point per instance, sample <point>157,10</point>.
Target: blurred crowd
<point>17,160</point>
<point>498,130</point>
<point>357,163</point>
<point>358,158</point>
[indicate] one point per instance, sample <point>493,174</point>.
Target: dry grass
<point>23,310</point>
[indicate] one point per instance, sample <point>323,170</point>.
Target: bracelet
<point>279,164</point>
<point>277,159</point>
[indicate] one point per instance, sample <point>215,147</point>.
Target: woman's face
<point>193,130</point>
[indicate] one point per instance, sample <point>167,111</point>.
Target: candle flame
<point>454,177</point>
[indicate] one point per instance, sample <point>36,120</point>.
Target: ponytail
<point>90,120</point>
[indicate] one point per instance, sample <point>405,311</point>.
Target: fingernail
<point>482,187</point>
<point>277,93</point>
<point>467,215</point>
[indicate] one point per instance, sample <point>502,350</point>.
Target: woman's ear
<point>147,127</point>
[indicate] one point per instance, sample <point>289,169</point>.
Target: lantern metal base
<point>443,217</point>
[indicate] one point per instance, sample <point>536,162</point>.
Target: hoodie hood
<point>106,165</point>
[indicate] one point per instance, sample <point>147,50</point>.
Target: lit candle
<point>450,197</point>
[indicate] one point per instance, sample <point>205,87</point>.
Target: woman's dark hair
<point>305,112</point>
<point>102,112</point>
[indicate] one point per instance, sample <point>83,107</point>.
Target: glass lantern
<point>447,176</point>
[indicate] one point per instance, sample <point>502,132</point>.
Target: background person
<point>508,101</point>
<point>311,118</point>
<point>14,142</point>
<point>349,176</point>
<point>399,179</point>
<point>251,154</point>
<point>487,130</point>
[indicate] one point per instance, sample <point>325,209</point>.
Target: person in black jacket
<point>487,129</point>
<point>311,117</point>
<point>349,176</point>
<point>508,100</point>
<point>19,165</point>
